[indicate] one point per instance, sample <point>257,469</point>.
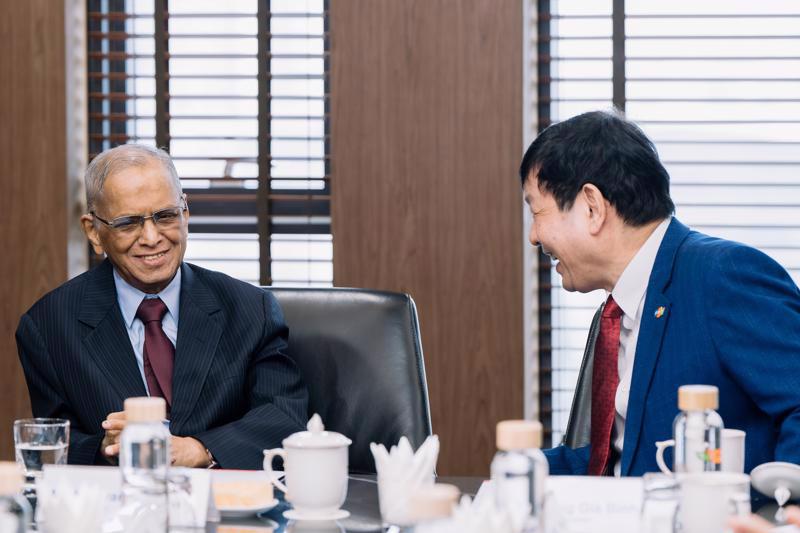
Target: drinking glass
<point>659,504</point>
<point>179,502</point>
<point>40,441</point>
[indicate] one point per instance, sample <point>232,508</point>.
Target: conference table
<point>362,503</point>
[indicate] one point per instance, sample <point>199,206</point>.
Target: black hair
<point>603,149</point>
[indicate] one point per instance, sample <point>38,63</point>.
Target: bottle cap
<point>10,478</point>
<point>145,409</point>
<point>519,434</point>
<point>697,397</point>
<point>432,502</point>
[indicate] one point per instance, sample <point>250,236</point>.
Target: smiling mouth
<point>152,257</point>
<point>551,256</point>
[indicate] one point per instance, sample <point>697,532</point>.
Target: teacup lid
<point>316,437</point>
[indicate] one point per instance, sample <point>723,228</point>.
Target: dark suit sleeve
<point>276,395</point>
<point>47,395</point>
<point>568,462</point>
<point>753,312</point>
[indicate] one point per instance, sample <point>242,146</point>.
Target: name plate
<point>61,483</point>
<point>587,504</point>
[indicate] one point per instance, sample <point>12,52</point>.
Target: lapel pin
<point>660,311</point>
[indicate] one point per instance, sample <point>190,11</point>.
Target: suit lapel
<point>198,335</point>
<point>108,342</point>
<point>655,314</point>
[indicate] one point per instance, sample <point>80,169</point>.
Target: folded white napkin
<point>401,472</point>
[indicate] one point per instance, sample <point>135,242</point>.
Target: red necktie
<point>605,379</point>
<point>159,354</point>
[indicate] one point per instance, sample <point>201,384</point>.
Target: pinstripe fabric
<point>730,318</point>
<point>234,388</point>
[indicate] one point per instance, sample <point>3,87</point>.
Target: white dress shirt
<point>129,298</point>
<point>629,293</point>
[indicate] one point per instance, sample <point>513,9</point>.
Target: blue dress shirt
<point>129,299</point>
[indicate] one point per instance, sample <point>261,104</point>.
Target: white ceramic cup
<point>709,499</point>
<point>315,463</point>
<point>661,447</point>
<point>733,450</point>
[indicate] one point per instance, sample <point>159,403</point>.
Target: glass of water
<point>40,441</point>
<point>660,503</point>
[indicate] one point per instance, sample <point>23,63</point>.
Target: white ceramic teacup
<point>709,499</point>
<point>315,463</point>
<point>733,441</point>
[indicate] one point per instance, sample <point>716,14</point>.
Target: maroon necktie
<point>605,379</point>
<point>159,354</point>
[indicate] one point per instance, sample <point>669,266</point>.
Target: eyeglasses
<point>164,218</point>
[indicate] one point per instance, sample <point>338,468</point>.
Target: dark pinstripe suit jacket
<point>234,387</point>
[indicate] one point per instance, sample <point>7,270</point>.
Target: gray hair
<point>119,158</point>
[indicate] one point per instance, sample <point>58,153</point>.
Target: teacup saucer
<point>294,514</point>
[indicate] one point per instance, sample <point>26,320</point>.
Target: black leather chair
<point>579,426</point>
<point>360,354</point>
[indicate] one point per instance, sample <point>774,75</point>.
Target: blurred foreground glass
<point>659,504</point>
<point>179,500</point>
<point>709,499</point>
<point>38,442</point>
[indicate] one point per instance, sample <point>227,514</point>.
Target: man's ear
<point>597,206</point>
<point>186,202</point>
<point>89,228</point>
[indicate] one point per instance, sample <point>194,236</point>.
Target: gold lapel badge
<point>660,311</point>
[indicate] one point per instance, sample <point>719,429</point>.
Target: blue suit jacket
<point>732,319</point>
<point>234,388</point>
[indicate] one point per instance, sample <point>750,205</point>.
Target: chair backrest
<point>360,354</point>
<point>579,425</point>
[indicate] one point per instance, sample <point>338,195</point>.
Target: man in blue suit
<point>144,322</point>
<point>683,307</point>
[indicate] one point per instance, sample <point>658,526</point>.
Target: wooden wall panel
<point>426,136</point>
<point>32,180</point>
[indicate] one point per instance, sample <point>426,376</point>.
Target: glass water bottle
<point>519,471</point>
<point>697,430</point>
<point>144,460</point>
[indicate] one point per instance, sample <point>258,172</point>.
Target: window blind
<point>237,93</point>
<point>715,85</point>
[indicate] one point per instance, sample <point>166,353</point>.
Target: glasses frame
<point>154,216</point>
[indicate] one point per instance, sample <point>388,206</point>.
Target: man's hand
<point>113,424</point>
<point>756,524</point>
<point>188,451</point>
<point>185,451</point>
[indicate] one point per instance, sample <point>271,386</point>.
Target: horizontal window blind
<point>237,92</point>
<point>578,78</point>
<point>715,85</point>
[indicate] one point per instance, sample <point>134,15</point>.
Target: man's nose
<point>533,237</point>
<point>150,233</point>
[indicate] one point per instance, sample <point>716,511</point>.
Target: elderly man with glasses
<point>145,323</point>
